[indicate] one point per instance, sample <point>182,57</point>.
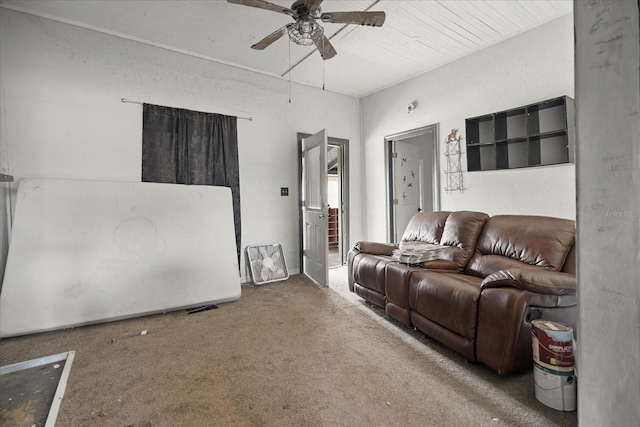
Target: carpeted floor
<point>286,354</point>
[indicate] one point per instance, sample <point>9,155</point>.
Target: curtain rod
<point>139,102</point>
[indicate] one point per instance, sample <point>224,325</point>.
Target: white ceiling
<point>417,36</point>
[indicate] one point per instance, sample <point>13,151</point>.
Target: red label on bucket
<point>552,344</point>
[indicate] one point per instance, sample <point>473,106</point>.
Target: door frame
<point>435,169</point>
<point>344,189</point>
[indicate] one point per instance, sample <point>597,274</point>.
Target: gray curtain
<point>190,147</point>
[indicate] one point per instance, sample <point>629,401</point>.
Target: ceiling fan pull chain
<point>322,63</point>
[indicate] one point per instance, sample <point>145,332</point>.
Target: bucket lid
<point>549,325</point>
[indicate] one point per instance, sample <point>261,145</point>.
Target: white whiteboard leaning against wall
<point>85,252</point>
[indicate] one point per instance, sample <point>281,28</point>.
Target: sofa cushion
<point>512,241</point>
<point>448,299</point>
<point>424,227</point>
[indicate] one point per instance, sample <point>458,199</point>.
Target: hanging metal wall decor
<point>453,171</point>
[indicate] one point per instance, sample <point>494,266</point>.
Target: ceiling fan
<point>306,30</point>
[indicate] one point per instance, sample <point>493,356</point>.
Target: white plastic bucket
<point>553,365</point>
<point>555,389</point>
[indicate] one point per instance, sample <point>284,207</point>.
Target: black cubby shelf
<point>538,134</point>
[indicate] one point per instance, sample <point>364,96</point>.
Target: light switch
<point>284,191</point>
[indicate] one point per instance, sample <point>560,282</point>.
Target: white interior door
<point>315,234</point>
<point>407,185</point>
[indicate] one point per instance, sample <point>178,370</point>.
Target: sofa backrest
<point>509,241</point>
<point>457,231</point>
<point>425,227</point>
<point>460,234</point>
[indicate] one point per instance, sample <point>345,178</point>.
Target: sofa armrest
<point>533,279</point>
<point>375,248</point>
<point>440,265</point>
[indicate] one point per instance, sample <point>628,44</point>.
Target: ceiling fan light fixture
<point>306,31</point>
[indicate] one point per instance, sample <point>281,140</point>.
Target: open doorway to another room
<point>335,187</point>
<point>413,177</point>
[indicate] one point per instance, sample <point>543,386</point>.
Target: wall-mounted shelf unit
<point>534,135</point>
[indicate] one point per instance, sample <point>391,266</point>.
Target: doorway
<point>413,177</point>
<point>337,197</point>
<point>337,179</point>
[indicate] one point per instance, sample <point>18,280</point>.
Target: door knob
<point>320,216</point>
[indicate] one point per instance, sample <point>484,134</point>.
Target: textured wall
<point>608,172</point>
<point>4,187</point>
<point>62,90</point>
<point>4,230</point>
<point>533,66</point>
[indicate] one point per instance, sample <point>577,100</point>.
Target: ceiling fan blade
<point>374,19</point>
<point>325,48</point>
<point>312,5</point>
<point>262,4</point>
<point>265,42</point>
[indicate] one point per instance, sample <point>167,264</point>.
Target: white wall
<point>4,187</point>
<point>333,191</point>
<point>528,68</point>
<point>63,117</point>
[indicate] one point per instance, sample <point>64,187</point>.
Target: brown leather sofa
<point>493,277</point>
